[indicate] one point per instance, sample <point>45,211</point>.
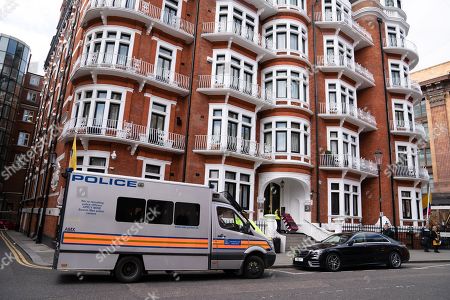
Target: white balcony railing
<point>344,19</point>
<point>348,110</point>
<point>246,33</point>
<point>290,5</point>
<point>404,83</point>
<point>402,126</point>
<point>341,161</point>
<point>411,172</point>
<point>400,43</point>
<point>131,66</point>
<point>148,10</point>
<point>126,131</point>
<point>239,85</point>
<point>229,144</point>
<point>423,174</point>
<point>343,61</point>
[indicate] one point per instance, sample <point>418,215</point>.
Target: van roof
<point>141,179</point>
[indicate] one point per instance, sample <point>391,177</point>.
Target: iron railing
<point>343,61</point>
<point>345,19</point>
<point>347,110</point>
<point>348,161</point>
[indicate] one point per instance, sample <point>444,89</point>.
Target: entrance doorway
<point>272,196</point>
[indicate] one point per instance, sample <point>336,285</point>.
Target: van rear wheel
<point>253,267</point>
<point>129,269</point>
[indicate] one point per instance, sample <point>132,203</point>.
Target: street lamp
<point>378,160</point>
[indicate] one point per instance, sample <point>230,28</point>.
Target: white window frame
<point>342,214</point>
<point>411,152</point>
<point>230,13</point>
<point>34,80</point>
<point>348,48</point>
<point>226,108</point>
<point>340,138</point>
<point>345,8</point>
<point>407,107</point>
<point>81,100</point>
<point>32,96</point>
<point>28,116</point>
<point>416,216</point>
<point>168,104</point>
<point>303,85</point>
<point>405,79</point>
<point>87,154</point>
<point>156,162</point>
<point>270,28</point>
<point>23,139</point>
<point>339,103</point>
<point>221,180</point>
<point>173,62</point>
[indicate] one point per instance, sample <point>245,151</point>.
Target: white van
<point>132,225</point>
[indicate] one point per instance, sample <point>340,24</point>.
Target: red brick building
<point>280,103</point>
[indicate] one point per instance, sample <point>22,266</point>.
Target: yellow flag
<point>73,158</point>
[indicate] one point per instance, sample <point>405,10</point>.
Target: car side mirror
<point>350,243</point>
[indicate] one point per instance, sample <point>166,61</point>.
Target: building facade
<point>281,104</point>
<point>14,58</point>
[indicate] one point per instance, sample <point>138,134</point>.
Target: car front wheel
<point>333,262</point>
<point>395,261</point>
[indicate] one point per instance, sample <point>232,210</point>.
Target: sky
<point>35,21</point>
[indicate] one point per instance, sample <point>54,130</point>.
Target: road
<point>20,279</point>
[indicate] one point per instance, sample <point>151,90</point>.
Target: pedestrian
<point>387,231</point>
<point>426,239</point>
<point>278,219</point>
<point>436,238</point>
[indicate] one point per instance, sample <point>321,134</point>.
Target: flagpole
<point>429,204</point>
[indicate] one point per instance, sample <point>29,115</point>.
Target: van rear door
<point>229,243</point>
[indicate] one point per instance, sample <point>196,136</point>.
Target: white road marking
<point>291,273</point>
<point>432,266</point>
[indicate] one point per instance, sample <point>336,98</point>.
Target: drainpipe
<point>316,116</point>
<point>191,83</point>
<point>386,101</point>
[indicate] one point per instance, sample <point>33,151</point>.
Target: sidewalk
<point>417,256</point>
<point>43,255</point>
<point>40,254</point>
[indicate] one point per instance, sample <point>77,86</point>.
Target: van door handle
<point>221,235</point>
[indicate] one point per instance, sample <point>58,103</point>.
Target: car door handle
<point>221,236</point>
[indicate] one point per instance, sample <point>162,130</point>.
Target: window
<point>130,210</point>
<point>420,109</point>
<point>99,107</point>
<point>375,238</point>
<point>213,179</point>
<point>23,139</point>
<point>159,212</point>
<point>170,12</point>
<point>96,162</point>
<point>399,71</point>
<point>153,172</point>
<point>31,96</point>
<point>164,63</point>
<point>344,145</point>
<point>109,45</point>
<point>228,219</point>
<point>338,52</point>
<point>288,84</point>
<point>407,159</point>
<point>341,98</point>
<point>406,205</point>
<point>187,214</point>
<point>289,37</point>
<point>403,116</point>
<point>28,116</point>
<point>34,80</point>
<point>237,20</point>
<point>290,137</point>
<point>345,198</point>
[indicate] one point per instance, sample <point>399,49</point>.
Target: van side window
<point>228,219</point>
<point>187,214</point>
<point>159,212</point>
<point>130,210</point>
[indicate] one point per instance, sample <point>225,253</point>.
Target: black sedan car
<point>352,249</point>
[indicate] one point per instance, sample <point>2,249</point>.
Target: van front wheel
<point>253,267</point>
<point>129,269</point>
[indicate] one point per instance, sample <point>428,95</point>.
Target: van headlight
<point>272,246</point>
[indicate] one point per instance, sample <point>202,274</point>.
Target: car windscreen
<point>337,239</point>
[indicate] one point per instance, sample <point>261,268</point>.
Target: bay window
<point>399,73</point>
<point>238,182</point>
<point>287,36</point>
<point>406,159</point>
<point>341,97</point>
<point>99,106</point>
<point>344,198</point>
<point>232,17</point>
<point>291,137</point>
<point>343,143</point>
<point>336,10</point>
<point>338,52</point>
<point>410,203</point>
<point>403,115</point>
<point>289,84</point>
<point>298,4</point>
<point>395,36</point>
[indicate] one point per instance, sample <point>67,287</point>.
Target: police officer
<point>278,219</point>
<point>426,235</point>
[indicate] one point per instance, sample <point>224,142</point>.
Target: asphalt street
<point>21,279</point>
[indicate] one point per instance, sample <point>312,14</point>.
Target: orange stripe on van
<point>220,244</point>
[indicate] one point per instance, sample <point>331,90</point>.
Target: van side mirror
<point>246,228</point>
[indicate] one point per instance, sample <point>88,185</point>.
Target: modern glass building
<point>14,58</point>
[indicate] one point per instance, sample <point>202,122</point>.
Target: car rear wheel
<point>333,262</point>
<point>128,269</point>
<point>253,267</point>
<point>395,261</point>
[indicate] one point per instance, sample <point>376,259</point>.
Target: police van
<point>130,226</point>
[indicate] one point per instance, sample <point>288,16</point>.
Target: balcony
<point>286,6</point>
<point>352,114</point>
<point>348,163</point>
<point>410,173</point>
<point>343,23</point>
<point>235,87</point>
<point>241,35</point>
<point>228,145</point>
<point>131,68</point>
<point>265,7</point>
<point>404,48</point>
<point>404,86</point>
<point>141,11</point>
<point>123,132</point>
<point>412,130</point>
<point>343,66</point>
